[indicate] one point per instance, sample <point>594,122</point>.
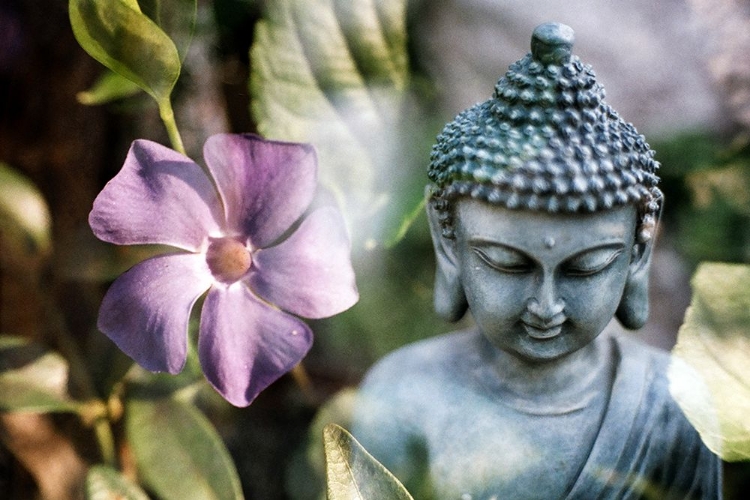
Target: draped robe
<point>425,416</point>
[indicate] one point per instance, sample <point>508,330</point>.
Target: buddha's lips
<point>545,332</point>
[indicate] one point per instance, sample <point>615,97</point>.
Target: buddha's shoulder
<point>429,359</point>
<point>643,383</point>
<point>647,367</point>
<point>637,355</point>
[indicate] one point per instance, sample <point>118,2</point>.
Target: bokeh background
<point>677,69</point>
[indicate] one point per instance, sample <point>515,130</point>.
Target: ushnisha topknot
<point>546,141</point>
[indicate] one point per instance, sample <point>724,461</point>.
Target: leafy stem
<point>167,116</point>
<point>302,379</point>
<point>106,440</point>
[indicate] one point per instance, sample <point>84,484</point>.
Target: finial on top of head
<point>552,43</point>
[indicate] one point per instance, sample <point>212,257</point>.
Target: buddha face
<point>539,285</point>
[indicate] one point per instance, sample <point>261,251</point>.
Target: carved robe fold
<point>645,442</point>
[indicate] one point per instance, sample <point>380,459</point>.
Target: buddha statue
<point>543,207</point>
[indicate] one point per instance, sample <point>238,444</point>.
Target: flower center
<point>228,259</point>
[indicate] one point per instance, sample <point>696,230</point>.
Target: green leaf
<point>24,216</point>
<point>176,18</point>
<point>353,474</point>
<point>110,86</point>
<point>335,74</point>
<point>32,378</point>
<point>117,34</point>
<point>105,483</point>
<point>179,454</point>
<point>709,375</point>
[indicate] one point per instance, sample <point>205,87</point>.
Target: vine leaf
<point>176,18</point>
<point>353,474</point>
<point>110,86</point>
<point>178,452</point>
<point>117,34</point>
<point>335,74</point>
<point>709,375</point>
<point>105,483</point>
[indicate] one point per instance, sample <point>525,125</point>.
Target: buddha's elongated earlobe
<point>633,309</point>
<point>450,301</point>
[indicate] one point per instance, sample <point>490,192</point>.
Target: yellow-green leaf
<point>117,34</point>
<point>353,474</point>
<point>110,86</point>
<point>335,74</point>
<point>710,371</point>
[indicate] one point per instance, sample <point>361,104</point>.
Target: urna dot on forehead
<point>546,140</point>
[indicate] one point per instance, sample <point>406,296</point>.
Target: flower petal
<point>245,345</point>
<point>159,197</point>
<point>146,310</point>
<point>309,274</point>
<point>265,185</point>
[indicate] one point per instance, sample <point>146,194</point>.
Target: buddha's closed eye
<point>509,260</point>
<point>503,259</point>
<point>591,261</point>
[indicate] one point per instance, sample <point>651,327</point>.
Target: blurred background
<point>677,69</point>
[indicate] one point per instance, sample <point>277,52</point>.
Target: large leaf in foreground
<point>179,454</point>
<point>353,474</point>
<point>334,73</point>
<point>709,375</point>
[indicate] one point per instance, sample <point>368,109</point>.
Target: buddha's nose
<point>546,304</point>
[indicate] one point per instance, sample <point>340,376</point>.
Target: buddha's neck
<point>561,385</point>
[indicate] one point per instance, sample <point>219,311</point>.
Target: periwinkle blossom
<point>241,237</point>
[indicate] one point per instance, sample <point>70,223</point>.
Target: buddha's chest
<point>503,454</point>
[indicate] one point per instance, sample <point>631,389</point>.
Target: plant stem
<point>106,440</point>
<point>81,380</point>
<point>167,116</point>
<point>300,376</point>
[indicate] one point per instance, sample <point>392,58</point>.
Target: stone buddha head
<point>543,208</point>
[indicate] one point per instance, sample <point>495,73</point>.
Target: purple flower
<point>233,231</point>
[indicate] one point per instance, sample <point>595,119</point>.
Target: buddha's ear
<point>633,309</point>
<point>450,300</point>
